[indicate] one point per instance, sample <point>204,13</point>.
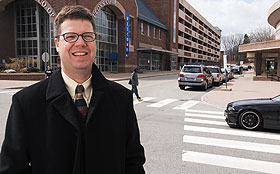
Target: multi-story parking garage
<point>130,33</point>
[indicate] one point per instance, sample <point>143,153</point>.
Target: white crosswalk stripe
<point>205,116</point>
<point>144,100</point>
<point>232,144</point>
<point>157,103</point>
<point>11,92</point>
<point>162,103</point>
<point>187,105</point>
<point>191,120</point>
<point>196,135</point>
<point>231,162</point>
<point>234,132</point>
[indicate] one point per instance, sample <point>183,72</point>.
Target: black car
<point>254,114</point>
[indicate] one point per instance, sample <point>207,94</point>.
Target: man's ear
<point>56,42</point>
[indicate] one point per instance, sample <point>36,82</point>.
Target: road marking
<point>187,105</point>
<point>191,120</point>
<point>235,132</point>
<point>231,162</point>
<point>205,112</point>
<point>259,147</point>
<point>162,103</point>
<point>9,92</point>
<point>204,116</point>
<point>144,100</point>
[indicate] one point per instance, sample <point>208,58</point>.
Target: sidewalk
<point>242,87</point>
<point>12,84</point>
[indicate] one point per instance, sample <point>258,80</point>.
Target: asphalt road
<point>182,134</point>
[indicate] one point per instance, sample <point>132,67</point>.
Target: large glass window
<point>33,34</point>
<point>106,45</point>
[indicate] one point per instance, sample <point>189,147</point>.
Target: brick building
<point>130,33</point>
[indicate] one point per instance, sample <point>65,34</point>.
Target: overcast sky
<point>234,16</point>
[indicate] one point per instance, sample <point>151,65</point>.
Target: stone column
<point>258,63</point>
<point>278,64</point>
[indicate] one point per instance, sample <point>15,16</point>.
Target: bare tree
<point>231,44</point>
<point>261,34</point>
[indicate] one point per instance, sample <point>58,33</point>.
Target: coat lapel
<point>61,99</point>
<point>99,86</point>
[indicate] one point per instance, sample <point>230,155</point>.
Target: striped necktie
<point>80,102</point>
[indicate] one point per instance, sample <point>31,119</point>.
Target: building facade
<point>266,54</point>
<point>129,33</point>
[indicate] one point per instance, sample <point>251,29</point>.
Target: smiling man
<point>76,121</point>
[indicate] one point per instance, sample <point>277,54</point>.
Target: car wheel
<point>182,87</point>
<point>250,120</point>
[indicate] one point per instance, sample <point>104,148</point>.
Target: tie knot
<point>80,89</point>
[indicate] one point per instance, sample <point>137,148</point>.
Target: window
<point>154,32</point>
<point>159,34</point>
<point>142,28</point>
<point>148,32</point>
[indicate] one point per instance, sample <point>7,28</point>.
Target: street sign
<point>45,57</point>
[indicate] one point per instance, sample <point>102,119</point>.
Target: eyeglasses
<point>73,37</point>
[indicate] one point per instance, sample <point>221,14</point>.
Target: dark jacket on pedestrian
<point>44,134</point>
<point>134,78</point>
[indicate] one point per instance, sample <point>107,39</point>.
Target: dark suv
<point>195,76</point>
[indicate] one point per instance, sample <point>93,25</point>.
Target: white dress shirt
<point>71,86</point>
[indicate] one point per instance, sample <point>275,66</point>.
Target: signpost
<point>45,58</point>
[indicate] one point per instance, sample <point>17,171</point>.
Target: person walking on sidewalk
<point>134,83</point>
<point>76,121</point>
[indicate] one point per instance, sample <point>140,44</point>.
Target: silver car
<point>195,76</point>
<point>217,74</point>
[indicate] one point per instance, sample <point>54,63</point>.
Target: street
<point>182,134</point>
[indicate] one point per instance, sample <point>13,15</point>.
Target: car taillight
<point>181,75</point>
<point>218,75</point>
<point>200,75</point>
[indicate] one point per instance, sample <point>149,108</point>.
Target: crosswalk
<point>158,103</point>
<point>9,92</point>
<point>199,123</point>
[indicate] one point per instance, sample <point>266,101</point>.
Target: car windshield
<point>214,70</point>
<point>191,70</point>
<point>277,98</point>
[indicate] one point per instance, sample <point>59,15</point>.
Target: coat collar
<point>62,101</point>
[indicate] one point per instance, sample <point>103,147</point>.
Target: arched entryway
<point>107,40</point>
<point>32,32</point>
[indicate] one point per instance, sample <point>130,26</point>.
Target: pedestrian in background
<point>134,83</point>
<point>76,121</point>
<point>49,71</point>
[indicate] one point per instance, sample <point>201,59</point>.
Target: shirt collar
<point>71,85</point>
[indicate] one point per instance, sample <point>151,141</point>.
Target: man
<point>76,121</point>
<point>134,83</point>
<point>49,71</point>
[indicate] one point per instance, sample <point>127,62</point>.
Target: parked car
<point>195,76</point>
<point>236,70</point>
<point>245,68</point>
<point>225,75</point>
<point>217,74</point>
<point>254,114</point>
<point>230,73</point>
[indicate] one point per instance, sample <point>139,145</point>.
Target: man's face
<point>77,56</point>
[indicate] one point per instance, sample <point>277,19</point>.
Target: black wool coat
<point>44,134</point>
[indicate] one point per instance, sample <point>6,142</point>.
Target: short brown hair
<point>72,12</point>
